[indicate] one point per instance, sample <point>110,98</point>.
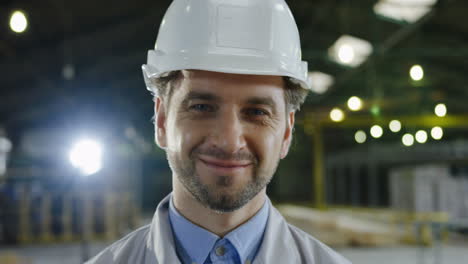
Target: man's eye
<point>256,112</point>
<point>202,107</point>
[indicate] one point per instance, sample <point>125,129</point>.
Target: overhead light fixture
<point>360,136</point>
<point>350,51</point>
<point>346,53</point>
<point>437,133</point>
<point>336,114</point>
<point>354,103</point>
<point>421,136</point>
<point>395,126</point>
<point>403,11</point>
<point>320,82</point>
<point>407,139</point>
<point>18,22</point>
<point>440,110</point>
<point>86,155</point>
<point>416,72</point>
<point>376,131</point>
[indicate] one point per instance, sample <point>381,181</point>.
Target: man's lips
<point>225,164</point>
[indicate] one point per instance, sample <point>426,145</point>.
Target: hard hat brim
<point>160,64</point>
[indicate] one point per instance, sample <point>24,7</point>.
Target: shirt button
<point>220,251</point>
<point>248,262</point>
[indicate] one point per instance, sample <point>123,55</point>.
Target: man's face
<point>224,135</point>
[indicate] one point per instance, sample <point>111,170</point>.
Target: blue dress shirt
<point>196,245</point>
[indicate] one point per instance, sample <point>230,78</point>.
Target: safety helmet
<point>257,37</point>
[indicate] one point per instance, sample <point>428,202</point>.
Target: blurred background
<point>379,163</point>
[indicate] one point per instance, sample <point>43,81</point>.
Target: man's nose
<point>228,132</point>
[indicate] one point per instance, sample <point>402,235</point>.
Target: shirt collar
<point>195,241</point>
<point>198,242</point>
<point>247,238</point>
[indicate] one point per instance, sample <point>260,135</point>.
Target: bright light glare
<point>336,114</point>
<point>18,22</point>
<point>408,140</point>
<point>350,51</point>
<point>440,110</point>
<point>421,136</point>
<point>395,126</point>
<point>437,133</point>
<point>413,2</point>
<point>320,82</point>
<point>408,11</point>
<point>417,72</point>
<point>360,136</point>
<point>355,103</point>
<point>376,131</point>
<point>86,155</point>
<point>346,53</point>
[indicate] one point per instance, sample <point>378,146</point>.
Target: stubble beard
<point>213,196</point>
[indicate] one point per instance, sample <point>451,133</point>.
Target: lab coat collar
<point>277,236</point>
<point>161,238</point>
<point>278,244</point>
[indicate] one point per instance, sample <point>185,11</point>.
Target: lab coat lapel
<point>278,245</point>
<point>161,239</point>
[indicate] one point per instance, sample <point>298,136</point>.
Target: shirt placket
<point>224,252</point>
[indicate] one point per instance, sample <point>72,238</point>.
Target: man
<point>227,78</point>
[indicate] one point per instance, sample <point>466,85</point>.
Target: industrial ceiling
<point>80,62</point>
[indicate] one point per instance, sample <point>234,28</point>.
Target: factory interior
<point>378,165</point>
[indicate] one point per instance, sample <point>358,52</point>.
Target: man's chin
<point>224,199</point>
<point>225,205</point>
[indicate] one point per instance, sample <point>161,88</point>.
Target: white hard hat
<point>238,36</point>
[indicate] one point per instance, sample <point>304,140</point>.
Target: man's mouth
<point>225,165</point>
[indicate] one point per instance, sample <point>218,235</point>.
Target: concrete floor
<point>71,254</point>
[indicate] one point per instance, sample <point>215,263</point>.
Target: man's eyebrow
<point>268,101</point>
<point>192,95</point>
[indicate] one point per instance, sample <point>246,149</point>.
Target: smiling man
<point>227,79</point>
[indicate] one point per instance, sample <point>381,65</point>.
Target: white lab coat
<point>154,244</point>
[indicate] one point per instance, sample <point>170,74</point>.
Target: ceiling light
<point>320,82</point>
<point>360,136</point>
<point>395,126</point>
<point>421,136</point>
<point>336,115</point>
<point>407,139</point>
<point>440,110</point>
<point>416,73</point>
<point>346,53</point>
<point>437,133</point>
<point>18,22</point>
<point>354,103</point>
<point>403,11</point>
<point>376,131</point>
<point>350,51</point>
<point>86,155</point>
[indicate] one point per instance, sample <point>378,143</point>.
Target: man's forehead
<point>207,77</point>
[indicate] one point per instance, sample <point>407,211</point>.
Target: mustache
<point>223,155</point>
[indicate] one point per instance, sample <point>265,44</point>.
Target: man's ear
<point>160,122</point>
<point>288,133</point>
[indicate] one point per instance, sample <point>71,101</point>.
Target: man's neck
<point>215,222</point>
